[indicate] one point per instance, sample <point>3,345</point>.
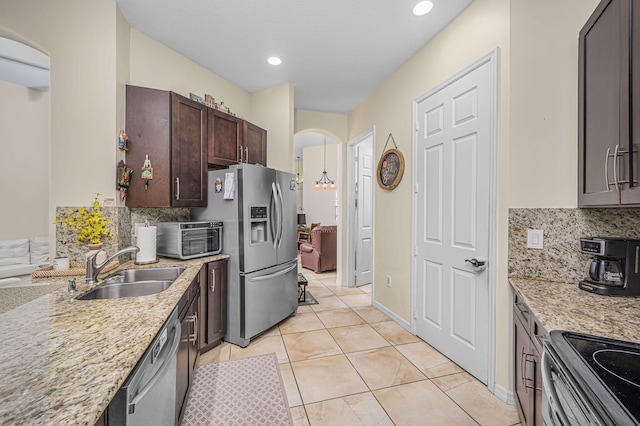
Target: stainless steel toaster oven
<point>187,240</point>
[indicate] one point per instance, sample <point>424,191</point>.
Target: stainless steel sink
<point>119,290</point>
<point>147,274</point>
<point>134,283</point>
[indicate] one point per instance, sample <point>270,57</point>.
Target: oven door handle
<point>551,390</point>
<point>167,362</point>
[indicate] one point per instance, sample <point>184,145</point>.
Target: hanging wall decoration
<point>124,179</point>
<point>123,141</point>
<point>390,166</point>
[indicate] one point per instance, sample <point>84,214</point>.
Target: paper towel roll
<point>146,242</point>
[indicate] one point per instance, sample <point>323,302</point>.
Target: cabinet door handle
<point>195,329</point>
<point>606,169</point>
<point>246,154</point>
<point>241,152</point>
<point>193,337</point>
<point>522,369</point>
<point>531,359</point>
<point>177,188</point>
<point>213,281</point>
<point>615,166</point>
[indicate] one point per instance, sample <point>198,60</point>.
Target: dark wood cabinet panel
<point>609,106</point>
<point>631,193</point>
<point>225,138</point>
<point>217,301</point>
<point>171,131</point>
<point>528,335</point>
<point>214,304</point>
<point>522,348</point>
<point>189,314</point>
<point>255,144</point>
<point>188,152</point>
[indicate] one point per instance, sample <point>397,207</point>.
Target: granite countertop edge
<point>563,306</point>
<point>63,359</point>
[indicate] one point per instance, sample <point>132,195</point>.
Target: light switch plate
<point>535,238</point>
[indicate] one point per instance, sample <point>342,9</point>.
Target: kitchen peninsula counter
<point>563,306</point>
<point>63,360</point>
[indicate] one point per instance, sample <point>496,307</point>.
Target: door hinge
<point>416,188</point>
<point>417,125</point>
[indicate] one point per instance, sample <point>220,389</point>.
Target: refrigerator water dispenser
<point>258,224</point>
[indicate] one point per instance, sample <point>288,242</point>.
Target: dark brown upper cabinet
<point>171,131</point>
<point>225,138</point>
<point>233,140</point>
<point>609,106</point>
<point>255,144</point>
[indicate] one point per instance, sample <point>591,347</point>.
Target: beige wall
<point>123,41</point>
<point>80,39</point>
<point>24,162</point>
<point>537,130</point>
<point>272,109</point>
<point>157,66</point>
<point>483,26</point>
<point>544,101</point>
<point>334,125</point>
<point>319,206</point>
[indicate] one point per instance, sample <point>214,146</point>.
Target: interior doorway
<point>454,217</point>
<point>360,220</point>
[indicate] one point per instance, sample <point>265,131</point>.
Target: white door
<point>453,161</point>
<point>360,213</point>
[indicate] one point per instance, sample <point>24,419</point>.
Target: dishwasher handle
<point>165,364</point>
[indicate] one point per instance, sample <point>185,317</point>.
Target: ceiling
<point>334,52</point>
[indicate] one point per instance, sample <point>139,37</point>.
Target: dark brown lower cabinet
<point>188,310</point>
<point>528,335</point>
<point>213,304</point>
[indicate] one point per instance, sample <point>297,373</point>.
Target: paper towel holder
<point>150,261</point>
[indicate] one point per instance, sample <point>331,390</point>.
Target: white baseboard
<point>402,323</point>
<point>504,395</point>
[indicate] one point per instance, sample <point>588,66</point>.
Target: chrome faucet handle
<point>72,286</point>
<point>94,269</point>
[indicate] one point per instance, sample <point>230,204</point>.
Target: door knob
<point>479,263</point>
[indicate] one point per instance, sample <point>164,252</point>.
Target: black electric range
<point>604,373</point>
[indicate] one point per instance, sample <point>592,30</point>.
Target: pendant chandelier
<point>325,182</point>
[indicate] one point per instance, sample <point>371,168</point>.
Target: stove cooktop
<point>616,363</point>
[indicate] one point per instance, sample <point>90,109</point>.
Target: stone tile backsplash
<point>560,259</point>
<point>122,224</point>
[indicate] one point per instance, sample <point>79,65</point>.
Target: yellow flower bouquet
<point>90,224</point>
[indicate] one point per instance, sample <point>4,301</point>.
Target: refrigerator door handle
<point>281,222</point>
<point>274,231</point>
<point>277,274</point>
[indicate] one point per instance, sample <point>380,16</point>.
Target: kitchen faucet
<point>94,269</point>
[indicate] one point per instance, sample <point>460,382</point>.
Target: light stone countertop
<point>563,306</point>
<point>62,360</point>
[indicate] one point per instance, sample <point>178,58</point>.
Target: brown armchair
<point>320,254</point>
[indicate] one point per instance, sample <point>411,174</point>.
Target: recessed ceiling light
<point>422,8</point>
<point>274,60</point>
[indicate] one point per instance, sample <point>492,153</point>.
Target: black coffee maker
<point>614,269</point>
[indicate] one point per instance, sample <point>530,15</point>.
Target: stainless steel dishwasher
<point>148,396</point>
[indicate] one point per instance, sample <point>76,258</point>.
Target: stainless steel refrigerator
<point>257,206</point>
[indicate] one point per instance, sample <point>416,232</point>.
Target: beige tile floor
<point>343,362</point>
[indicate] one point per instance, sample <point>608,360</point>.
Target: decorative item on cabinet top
<point>390,166</point>
<point>211,103</point>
